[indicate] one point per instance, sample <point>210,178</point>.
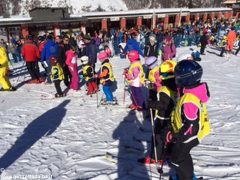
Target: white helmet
<point>152,38</point>
<point>84,60</point>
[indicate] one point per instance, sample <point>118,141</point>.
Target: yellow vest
<point>85,72</point>
<point>204,123</point>
<point>151,75</point>
<point>169,93</point>
<point>57,73</point>
<point>137,64</point>
<point>110,73</point>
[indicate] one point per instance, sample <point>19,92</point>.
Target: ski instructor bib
<point>204,123</point>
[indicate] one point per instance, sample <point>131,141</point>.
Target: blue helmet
<point>188,73</point>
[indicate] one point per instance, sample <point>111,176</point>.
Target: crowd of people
<point>176,94</point>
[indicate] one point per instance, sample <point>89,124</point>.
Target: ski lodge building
<point>59,19</point>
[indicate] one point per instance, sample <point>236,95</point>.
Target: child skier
<point>71,62</point>
<point>57,76</point>
<point>223,45</point>
<point>164,106</point>
<point>135,78</point>
<point>106,78</point>
<point>154,81</point>
<point>190,121</point>
<point>88,74</point>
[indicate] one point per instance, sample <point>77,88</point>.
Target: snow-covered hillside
<point>67,138</point>
<point>21,7</point>
<point>75,6</point>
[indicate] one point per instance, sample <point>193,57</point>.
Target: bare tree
<point>4,8</point>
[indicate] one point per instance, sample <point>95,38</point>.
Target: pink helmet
<point>102,56</point>
<point>133,56</point>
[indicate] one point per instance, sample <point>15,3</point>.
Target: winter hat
<point>133,56</point>
<point>151,62</point>
<point>84,60</point>
<point>102,56</point>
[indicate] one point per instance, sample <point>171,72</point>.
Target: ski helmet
<point>188,73</point>
<point>151,62</point>
<point>167,69</point>
<point>133,56</point>
<point>84,60</point>
<point>102,56</point>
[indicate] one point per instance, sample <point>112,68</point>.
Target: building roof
<point>18,20</point>
<point>54,8</point>
<point>147,11</point>
<point>15,18</point>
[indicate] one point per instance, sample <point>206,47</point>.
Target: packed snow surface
<point>67,138</point>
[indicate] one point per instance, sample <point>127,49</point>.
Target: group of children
<point>177,102</point>
<point>104,76</point>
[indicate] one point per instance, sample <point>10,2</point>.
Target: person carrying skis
<point>106,78</point>
<point>164,106</point>
<point>88,74</point>
<point>135,78</point>
<point>57,76</point>
<point>190,123</point>
<point>4,81</point>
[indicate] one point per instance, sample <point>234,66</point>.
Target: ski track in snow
<point>68,137</point>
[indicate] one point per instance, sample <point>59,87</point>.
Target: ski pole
<point>124,91</point>
<point>97,94</point>
<point>154,137</point>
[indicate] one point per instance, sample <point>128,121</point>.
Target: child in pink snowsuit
<point>71,62</point>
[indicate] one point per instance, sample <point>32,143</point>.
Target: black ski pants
<point>67,76</point>
<point>161,128</point>
<point>33,69</point>
<point>182,160</point>
<point>58,87</point>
